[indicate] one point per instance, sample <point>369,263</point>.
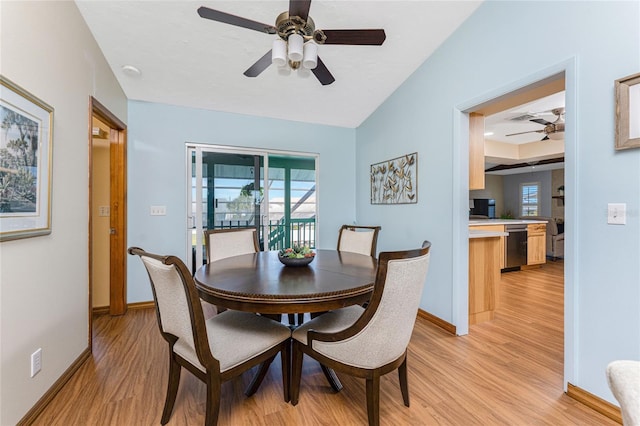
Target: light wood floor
<point>505,372</point>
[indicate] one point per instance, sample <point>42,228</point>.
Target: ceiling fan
<point>297,32</point>
<point>550,130</point>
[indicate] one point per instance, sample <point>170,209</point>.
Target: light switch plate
<point>104,211</point>
<point>617,213</point>
<point>158,210</point>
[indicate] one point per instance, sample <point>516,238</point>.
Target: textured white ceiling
<point>189,61</point>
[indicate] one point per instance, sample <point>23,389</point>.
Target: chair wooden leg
<point>294,317</point>
<point>285,355</point>
<point>332,378</point>
<point>172,388</point>
<point>404,383</point>
<point>373,399</point>
<point>213,400</point>
<point>259,377</point>
<point>296,371</point>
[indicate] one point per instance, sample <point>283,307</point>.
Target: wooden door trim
<point>118,192</point>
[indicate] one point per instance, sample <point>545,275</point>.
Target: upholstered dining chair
<point>369,342</point>
<point>223,243</point>
<point>214,350</point>
<point>359,239</point>
<point>623,377</point>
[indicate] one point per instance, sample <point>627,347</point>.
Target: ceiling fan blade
<point>522,133</point>
<point>355,37</point>
<point>322,73</point>
<point>299,8</point>
<point>541,121</point>
<point>260,65</point>
<point>546,137</point>
<point>227,18</point>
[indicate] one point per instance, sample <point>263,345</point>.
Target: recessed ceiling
<point>526,148</point>
<point>517,119</point>
<point>189,61</point>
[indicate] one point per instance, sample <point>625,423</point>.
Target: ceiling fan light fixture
<point>279,52</point>
<point>556,136</point>
<point>295,42</point>
<point>310,58</point>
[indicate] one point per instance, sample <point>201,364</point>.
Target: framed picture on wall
<point>26,127</point>
<point>395,181</point>
<point>628,112</point>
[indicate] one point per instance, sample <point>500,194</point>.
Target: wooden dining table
<point>259,282</point>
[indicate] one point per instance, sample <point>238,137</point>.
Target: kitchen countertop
<point>480,222</point>
<point>477,233</point>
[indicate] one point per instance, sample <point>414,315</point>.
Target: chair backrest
<point>358,239</point>
<point>382,333</point>
<point>623,377</point>
<point>178,308</point>
<point>223,243</point>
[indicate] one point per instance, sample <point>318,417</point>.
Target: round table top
<point>258,282</point>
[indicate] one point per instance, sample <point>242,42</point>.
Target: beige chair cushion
<point>624,381</point>
<point>356,241</point>
<point>171,299</point>
<point>227,244</point>
<point>330,322</point>
<point>235,337</point>
<point>386,336</point>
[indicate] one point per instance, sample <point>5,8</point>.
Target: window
<point>529,199</point>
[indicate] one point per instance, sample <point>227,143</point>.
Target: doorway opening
<point>496,185</point>
<point>107,213</point>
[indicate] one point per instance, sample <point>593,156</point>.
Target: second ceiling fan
<point>297,33</point>
<point>551,130</point>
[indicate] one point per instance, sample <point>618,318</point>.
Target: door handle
<point>112,231</point>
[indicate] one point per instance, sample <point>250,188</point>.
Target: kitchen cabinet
<point>501,248</point>
<point>484,278</point>
<point>476,151</point>
<point>536,243</point>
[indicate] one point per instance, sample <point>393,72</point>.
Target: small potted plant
<point>296,256</point>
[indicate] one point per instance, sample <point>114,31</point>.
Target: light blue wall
<point>498,47</point>
<point>157,172</point>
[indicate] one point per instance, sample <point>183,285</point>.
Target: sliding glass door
<point>227,190</point>
<point>292,202</point>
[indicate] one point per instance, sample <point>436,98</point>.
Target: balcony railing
<point>299,232</point>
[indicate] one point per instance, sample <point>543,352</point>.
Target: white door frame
<point>460,223</point>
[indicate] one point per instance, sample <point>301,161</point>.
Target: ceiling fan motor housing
<point>288,25</point>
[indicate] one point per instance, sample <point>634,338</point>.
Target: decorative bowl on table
<point>296,256</point>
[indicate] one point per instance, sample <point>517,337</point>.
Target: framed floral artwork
<point>395,181</point>
<point>26,135</point>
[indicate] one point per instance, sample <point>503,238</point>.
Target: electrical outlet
<point>158,210</point>
<point>36,362</point>
<point>617,213</point>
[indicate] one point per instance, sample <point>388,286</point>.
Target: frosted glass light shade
<point>310,59</point>
<point>295,42</point>
<point>279,52</point>
<point>556,136</point>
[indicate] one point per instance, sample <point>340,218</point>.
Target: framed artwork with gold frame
<point>26,137</point>
<point>628,112</point>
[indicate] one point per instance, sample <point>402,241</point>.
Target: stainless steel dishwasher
<point>515,247</point>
